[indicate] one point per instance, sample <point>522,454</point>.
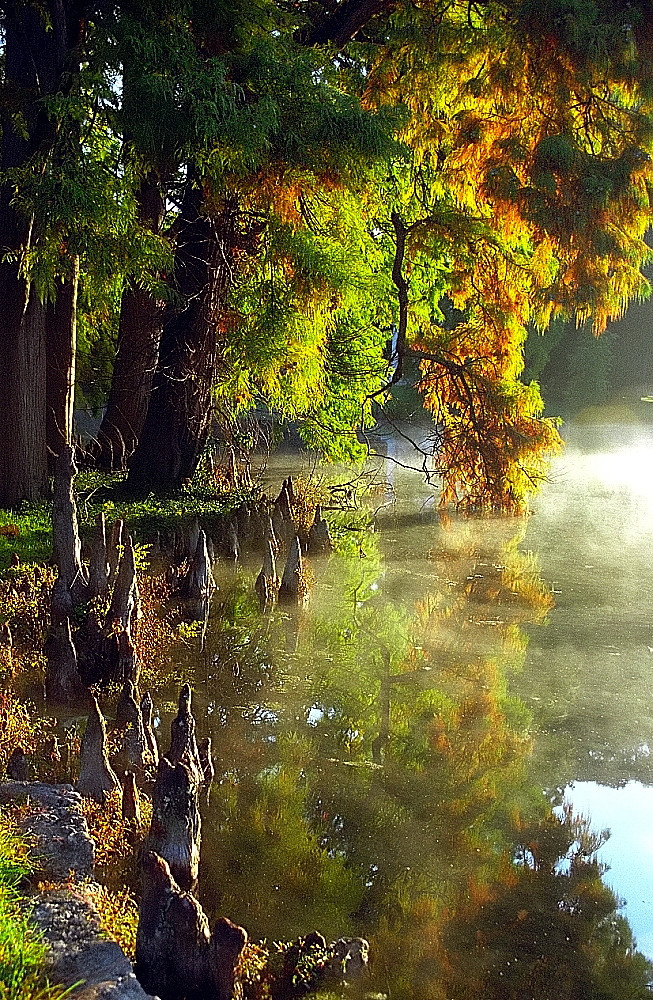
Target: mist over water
<point>393,758</point>
<point>588,675</point>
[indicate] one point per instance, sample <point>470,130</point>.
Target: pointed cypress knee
<point>279,526</point>
<point>114,542</point>
<point>284,503</point>
<point>176,828</point>
<point>267,583</point>
<point>176,954</point>
<point>63,684</point>
<point>270,535</point>
<point>292,589</point>
<point>147,709</point>
<point>182,732</point>
<point>131,806</point>
<point>98,579</point>
<point>227,943</point>
<point>128,714</point>
<point>319,537</point>
<point>198,584</point>
<point>97,779</point>
<point>173,934</point>
<point>129,668</point>
<point>124,602</point>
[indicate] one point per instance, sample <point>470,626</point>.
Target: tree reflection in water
<point>373,779</point>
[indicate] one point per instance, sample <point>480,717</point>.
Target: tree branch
<point>344,23</point>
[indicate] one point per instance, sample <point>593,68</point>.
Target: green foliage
<point>573,369</point>
<point>510,143</point>
<point>27,532</point>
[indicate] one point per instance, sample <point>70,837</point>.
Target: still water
<point>427,755</point>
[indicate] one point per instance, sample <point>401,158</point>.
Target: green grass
<point>27,531</point>
<point>22,951</point>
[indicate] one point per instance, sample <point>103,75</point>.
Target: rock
<point>78,949</point>
<point>56,826</point>
<point>97,779</point>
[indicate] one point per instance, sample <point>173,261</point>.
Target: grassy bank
<point>27,530</point>
<point>22,952</point>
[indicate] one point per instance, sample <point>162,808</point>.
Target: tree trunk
<point>179,413</point>
<point>23,456</point>
<point>139,334</point>
<point>61,342</point>
<point>39,41</point>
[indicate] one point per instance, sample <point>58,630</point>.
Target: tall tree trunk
<point>179,413</point>
<point>38,44</point>
<point>61,343</point>
<point>139,335</point>
<point>23,461</point>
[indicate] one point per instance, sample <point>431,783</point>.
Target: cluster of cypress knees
<point>178,954</point>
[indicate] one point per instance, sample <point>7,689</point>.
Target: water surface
<point>404,758</point>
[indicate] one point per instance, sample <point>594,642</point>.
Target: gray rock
<point>78,950</point>
<point>62,843</point>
